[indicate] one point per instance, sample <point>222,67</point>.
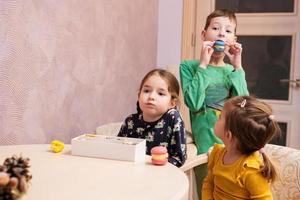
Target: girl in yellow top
<point>240,169</point>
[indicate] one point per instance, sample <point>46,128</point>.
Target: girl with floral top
<point>157,119</point>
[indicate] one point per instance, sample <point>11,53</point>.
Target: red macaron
<point>159,155</point>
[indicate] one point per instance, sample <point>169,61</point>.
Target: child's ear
<point>173,103</point>
<point>203,34</point>
<point>229,135</point>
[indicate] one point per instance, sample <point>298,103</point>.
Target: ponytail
<point>268,170</point>
<point>251,121</point>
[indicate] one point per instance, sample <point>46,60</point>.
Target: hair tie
<point>271,117</point>
<point>261,150</point>
<point>243,103</point>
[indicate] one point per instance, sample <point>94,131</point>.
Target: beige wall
<point>67,67</point>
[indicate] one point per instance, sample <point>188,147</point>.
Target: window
<point>256,6</point>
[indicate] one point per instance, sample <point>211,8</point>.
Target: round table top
<point>64,176</point>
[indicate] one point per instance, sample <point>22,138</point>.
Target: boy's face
<point>220,28</point>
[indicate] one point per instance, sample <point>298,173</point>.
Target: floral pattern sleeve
<point>177,144</point>
<point>123,132</point>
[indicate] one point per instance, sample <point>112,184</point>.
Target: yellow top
<point>240,180</point>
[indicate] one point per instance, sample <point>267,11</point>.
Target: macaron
<point>219,46</point>
<point>159,155</point>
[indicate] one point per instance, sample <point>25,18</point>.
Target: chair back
<point>111,129</point>
<point>287,162</point>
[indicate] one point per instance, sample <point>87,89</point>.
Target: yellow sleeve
<point>258,186</point>
<point>208,183</point>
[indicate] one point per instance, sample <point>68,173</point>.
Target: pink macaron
<point>159,155</point>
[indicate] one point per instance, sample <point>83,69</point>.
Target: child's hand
<point>234,53</point>
<point>206,52</point>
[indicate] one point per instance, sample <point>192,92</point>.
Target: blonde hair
<point>251,122</point>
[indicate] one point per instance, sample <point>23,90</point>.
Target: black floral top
<point>168,131</point>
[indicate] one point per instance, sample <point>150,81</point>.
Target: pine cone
<point>6,193</point>
<point>18,167</point>
<point>4,179</point>
<point>2,168</point>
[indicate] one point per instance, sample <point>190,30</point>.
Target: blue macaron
<point>219,46</point>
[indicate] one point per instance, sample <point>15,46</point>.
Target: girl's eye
<point>229,31</point>
<point>146,90</point>
<point>161,94</point>
<point>214,28</point>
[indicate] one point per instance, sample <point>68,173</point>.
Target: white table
<point>62,176</point>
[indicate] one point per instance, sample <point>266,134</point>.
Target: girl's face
<point>220,126</point>
<point>155,98</point>
<point>220,28</point>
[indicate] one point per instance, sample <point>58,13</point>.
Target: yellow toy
<point>57,146</point>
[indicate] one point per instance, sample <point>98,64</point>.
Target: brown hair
<point>250,121</point>
<point>221,13</point>
<point>172,82</point>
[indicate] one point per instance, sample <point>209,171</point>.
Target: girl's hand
<point>234,53</point>
<point>206,52</point>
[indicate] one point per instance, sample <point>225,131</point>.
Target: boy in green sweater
<point>207,83</point>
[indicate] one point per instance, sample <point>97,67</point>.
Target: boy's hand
<point>206,52</point>
<point>234,53</point>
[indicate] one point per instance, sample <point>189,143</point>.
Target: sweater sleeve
<point>238,81</point>
<point>208,183</point>
<point>177,149</point>
<point>194,81</point>
<point>123,132</point>
<point>258,186</point>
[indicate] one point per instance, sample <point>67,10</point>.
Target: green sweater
<point>205,91</point>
